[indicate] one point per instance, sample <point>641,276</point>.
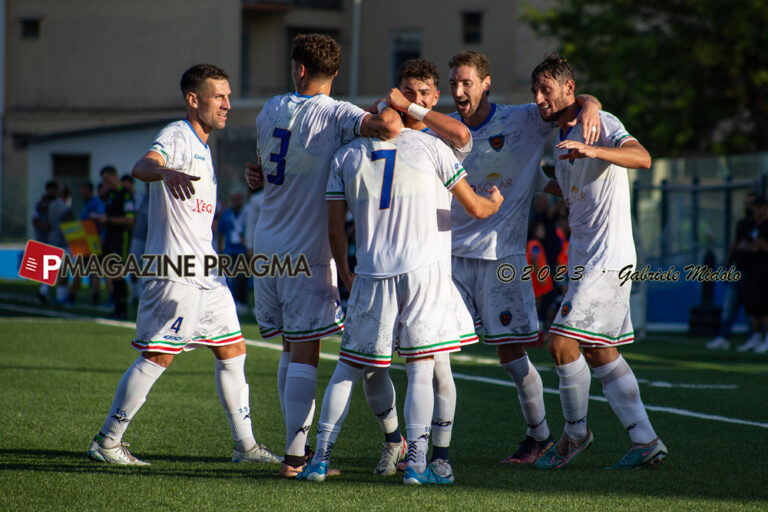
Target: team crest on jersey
<point>565,309</point>
<point>496,142</point>
<point>505,317</point>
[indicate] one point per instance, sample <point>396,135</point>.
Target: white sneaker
<point>719,343</point>
<point>763,347</point>
<point>259,453</point>
<point>752,343</point>
<point>443,468</point>
<point>391,454</point>
<point>117,455</point>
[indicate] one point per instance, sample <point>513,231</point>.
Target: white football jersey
<point>183,227</point>
<point>390,189</point>
<point>597,195</point>
<point>506,152</point>
<point>297,136</point>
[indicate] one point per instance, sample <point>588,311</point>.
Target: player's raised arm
<point>385,125</point>
<point>151,167</point>
<point>631,154</point>
<point>589,117</point>
<point>478,207</point>
<point>337,211</point>
<point>444,126</point>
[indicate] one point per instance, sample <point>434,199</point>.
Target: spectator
<point>756,279</point>
<point>734,291</point>
<point>42,223</point>
<point>60,211</point>
<point>93,207</point>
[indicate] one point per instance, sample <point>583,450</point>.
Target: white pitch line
<point>460,376</point>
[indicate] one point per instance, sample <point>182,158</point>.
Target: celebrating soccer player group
<point>439,202</point>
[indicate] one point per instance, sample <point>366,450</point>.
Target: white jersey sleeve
<point>171,144</point>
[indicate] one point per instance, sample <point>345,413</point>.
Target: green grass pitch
<point>58,376</point>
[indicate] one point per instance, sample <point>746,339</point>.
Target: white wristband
<point>417,111</point>
<point>381,106</point>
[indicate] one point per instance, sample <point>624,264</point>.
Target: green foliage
<point>683,75</point>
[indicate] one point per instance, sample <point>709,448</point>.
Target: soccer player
<point>403,289</point>
<point>507,146</point>
<point>417,93</point>
<point>300,132</point>
<point>594,315</point>
<point>182,312</point>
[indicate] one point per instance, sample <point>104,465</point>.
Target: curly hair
<point>473,59</point>
<point>419,69</point>
<point>194,78</point>
<point>320,54</point>
<point>555,67</point>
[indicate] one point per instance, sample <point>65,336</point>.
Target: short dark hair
<point>88,185</point>
<point>108,169</point>
<point>555,67</point>
<point>420,69</point>
<point>52,185</point>
<point>473,59</point>
<point>319,53</point>
<point>193,79</point>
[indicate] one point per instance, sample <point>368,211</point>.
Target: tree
<point>683,75</point>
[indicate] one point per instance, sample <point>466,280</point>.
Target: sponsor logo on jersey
<point>202,206</point>
<point>505,317</point>
<point>565,309</point>
<point>199,157</point>
<point>496,142</point>
<point>172,338</point>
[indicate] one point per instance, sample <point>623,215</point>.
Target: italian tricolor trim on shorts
<point>443,346</point>
<point>224,339</point>
<point>314,334</point>
<point>270,333</point>
<point>591,338</point>
<point>334,196</point>
<point>166,347</point>
<point>468,339</point>
<point>366,359</point>
<point>501,339</point>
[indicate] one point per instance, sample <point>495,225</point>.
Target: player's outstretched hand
<point>179,183</point>
<point>576,150</point>
<point>397,101</point>
<point>254,175</point>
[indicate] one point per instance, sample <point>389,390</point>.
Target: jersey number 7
<point>388,155</point>
<point>279,158</point>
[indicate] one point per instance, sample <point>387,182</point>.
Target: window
<point>30,28</point>
<point>472,27</point>
<point>406,44</point>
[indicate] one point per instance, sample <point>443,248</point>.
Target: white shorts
<point>595,311</point>
<point>300,308</point>
<point>505,310</point>
<point>417,309</point>
<point>174,316</point>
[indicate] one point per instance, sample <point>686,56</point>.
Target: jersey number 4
<point>279,158</point>
<point>388,155</point>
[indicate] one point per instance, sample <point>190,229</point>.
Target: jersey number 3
<point>388,155</point>
<point>279,158</point>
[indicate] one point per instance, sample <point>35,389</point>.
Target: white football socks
<point>574,396</point>
<point>419,402</point>
<point>380,394</point>
<point>445,401</point>
<point>530,392</point>
<point>130,395</point>
<point>233,394</point>
<point>335,407</point>
<point>621,389</point>
<point>300,389</point>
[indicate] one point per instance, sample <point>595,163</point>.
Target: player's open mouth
<point>462,104</point>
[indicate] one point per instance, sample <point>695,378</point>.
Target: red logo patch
<point>41,262</point>
<point>497,142</point>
